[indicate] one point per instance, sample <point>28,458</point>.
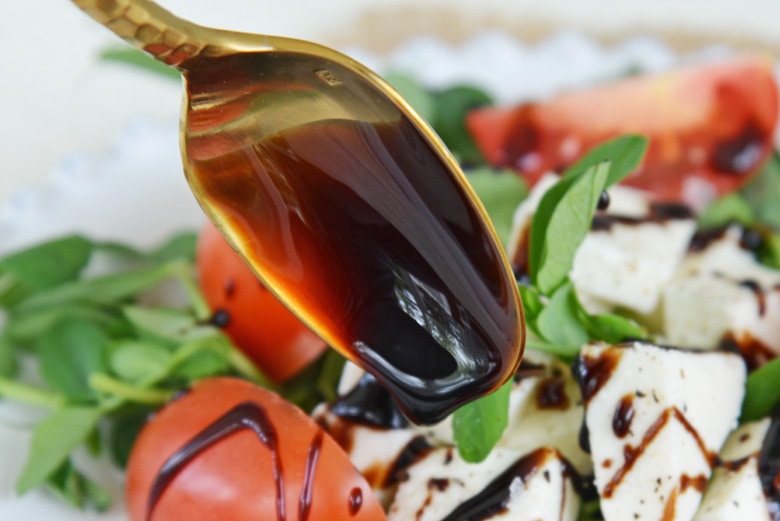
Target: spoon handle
<point>148,27</point>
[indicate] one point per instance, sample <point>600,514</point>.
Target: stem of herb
<point>29,394</point>
<point>127,392</point>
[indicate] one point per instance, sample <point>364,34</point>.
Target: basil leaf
<point>763,191</point>
<point>609,327</point>
<point>125,427</point>
<point>729,208</point>
<point>624,154</point>
<point>8,362</point>
<point>452,106</point>
<point>42,266</point>
<point>420,100</point>
<point>54,438</point>
<point>165,325</point>
<point>500,193</point>
<point>107,289</point>
<point>561,222</point>
<point>25,327</point>
<point>78,490</point>
<point>762,394</point>
<point>559,321</point>
<point>139,60</point>
<point>478,425</point>
<point>136,360</point>
<point>69,353</point>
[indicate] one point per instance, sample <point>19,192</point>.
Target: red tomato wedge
<point>710,128</point>
<point>230,450</point>
<point>260,325</point>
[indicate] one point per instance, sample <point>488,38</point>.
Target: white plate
<point>135,191</point>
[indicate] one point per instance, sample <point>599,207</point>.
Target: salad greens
<point>107,358</point>
<point>128,357</point>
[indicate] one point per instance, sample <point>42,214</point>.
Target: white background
<point>58,100</point>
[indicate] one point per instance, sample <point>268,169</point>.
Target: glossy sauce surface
<point>357,223</point>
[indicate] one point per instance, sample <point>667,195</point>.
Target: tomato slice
<point>260,325</point>
<point>230,450</point>
<point>710,128</point>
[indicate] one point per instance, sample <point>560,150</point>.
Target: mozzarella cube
<point>507,485</point>
<point>625,265</point>
<point>735,491</point>
<point>656,417</point>
<point>628,264</point>
<point>722,292</point>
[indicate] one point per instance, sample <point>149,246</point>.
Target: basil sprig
<point>556,321</point>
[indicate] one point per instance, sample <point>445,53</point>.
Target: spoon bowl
<point>344,202</point>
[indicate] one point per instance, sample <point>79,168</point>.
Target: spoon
<point>344,202</point>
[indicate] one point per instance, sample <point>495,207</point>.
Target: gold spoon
<point>344,202</point>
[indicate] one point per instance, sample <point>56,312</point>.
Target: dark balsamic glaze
<point>248,416</point>
<point>702,239</point>
<point>369,403</point>
<point>624,415</point>
<point>417,448</point>
<point>658,213</point>
<point>753,351</point>
<point>551,394</point>
<point>739,154</point>
<point>758,292</point>
<point>604,201</point>
<point>220,318</point>
<point>304,503</point>
<point>494,498</point>
<point>593,373</point>
<point>530,370</point>
<point>632,454</point>
<point>244,416</point>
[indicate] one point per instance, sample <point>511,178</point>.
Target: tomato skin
<point>233,479</point>
<point>261,326</point>
<point>710,128</point>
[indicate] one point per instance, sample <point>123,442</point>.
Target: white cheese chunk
<point>656,417</point>
<point>626,265</point>
<point>735,490</point>
<point>535,487</point>
<point>629,264</point>
<point>722,291</point>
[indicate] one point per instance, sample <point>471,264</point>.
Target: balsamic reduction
<point>350,215</point>
<point>368,403</point>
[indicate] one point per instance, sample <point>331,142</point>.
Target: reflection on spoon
<point>344,202</point>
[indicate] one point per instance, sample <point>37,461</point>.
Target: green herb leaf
<point>452,106</point>
<point>623,153</point>
<point>140,60</point>
<point>8,361</point>
<point>106,290</point>
<point>69,353</point>
<point>762,394</point>
<point>763,191</point>
<point>165,325</point>
<point>559,322</point>
<point>126,426</point>
<point>561,222</point>
<point>135,360</point>
<point>500,193</point>
<point>609,327</point>
<point>25,327</point>
<point>54,438</point>
<point>42,266</point>
<point>420,100</point>
<point>78,490</point>
<point>478,425</point>
<point>729,208</point>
